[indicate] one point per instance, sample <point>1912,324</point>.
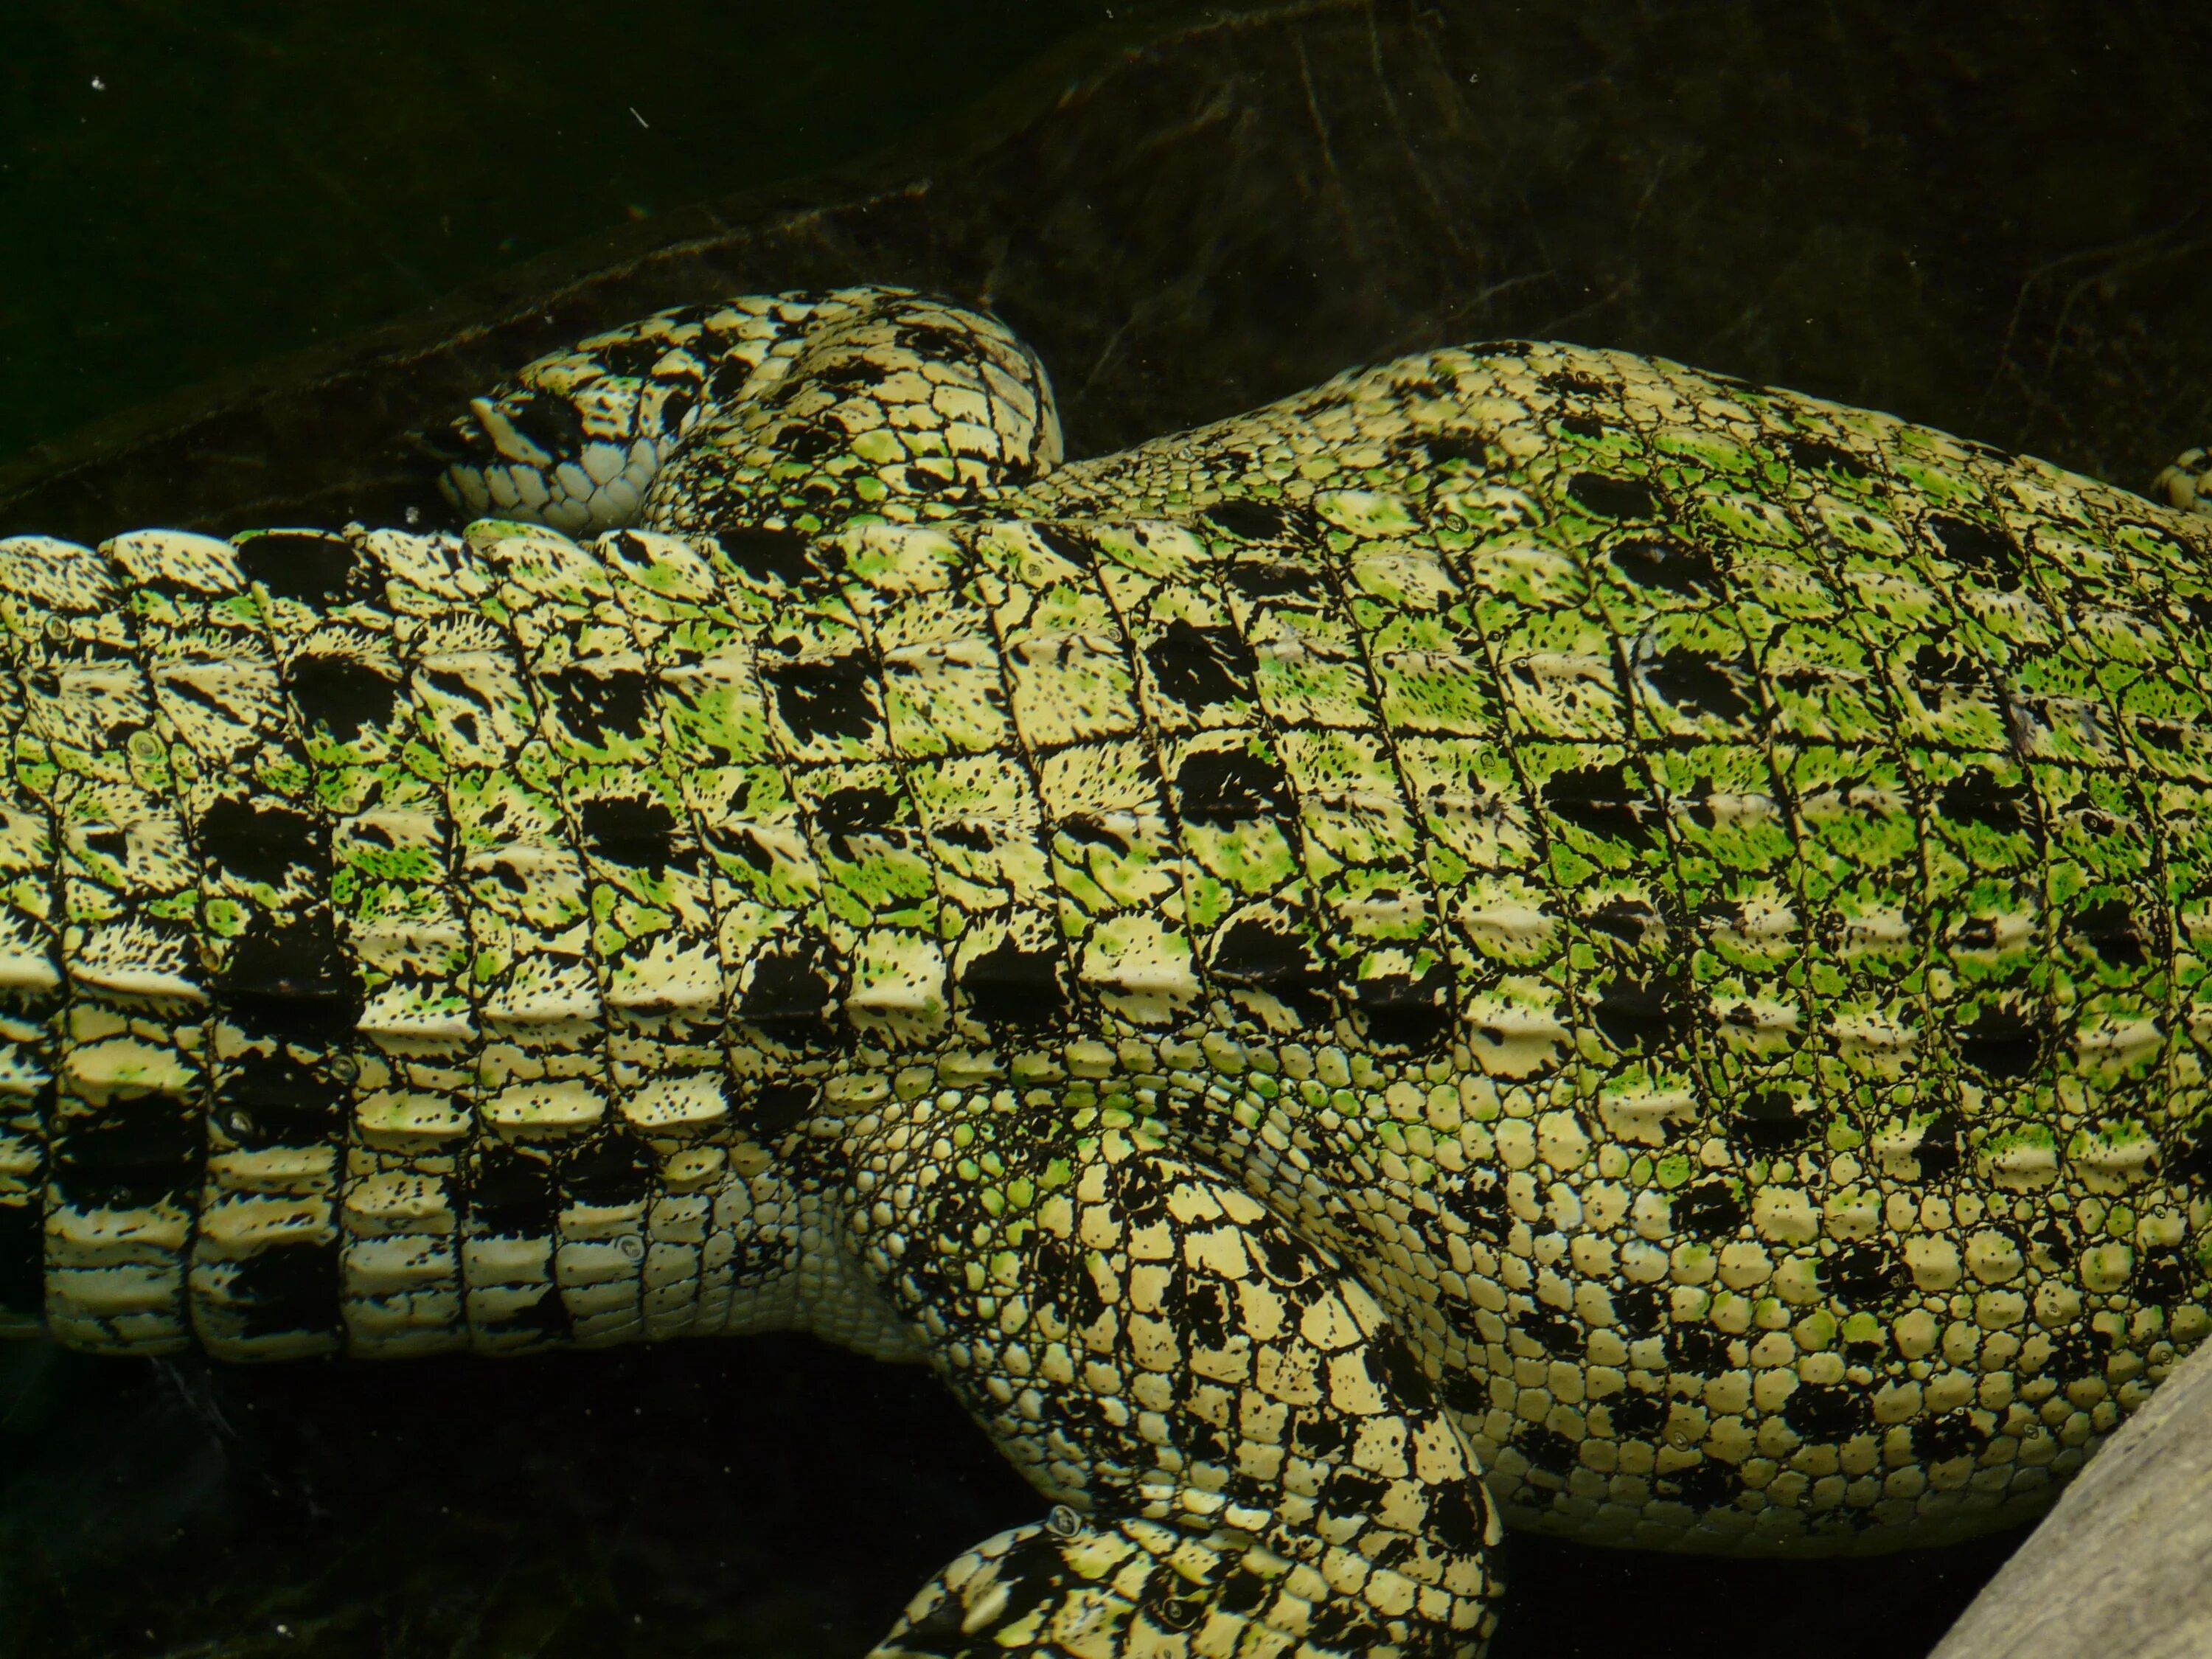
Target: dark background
<point>190,185</point>
<point>1986,218</point>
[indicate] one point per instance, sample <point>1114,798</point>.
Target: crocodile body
<point>1530,910</point>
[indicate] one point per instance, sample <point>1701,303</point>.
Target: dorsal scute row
<point>1721,676</point>
<point>353,894</point>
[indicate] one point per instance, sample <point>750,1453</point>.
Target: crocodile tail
<point>356,909</point>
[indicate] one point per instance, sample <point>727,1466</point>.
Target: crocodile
<point>1530,937</point>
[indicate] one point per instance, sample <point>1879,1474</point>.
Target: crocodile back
<point>1696,891</point>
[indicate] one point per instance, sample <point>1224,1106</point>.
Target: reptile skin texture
<point>1530,937</point>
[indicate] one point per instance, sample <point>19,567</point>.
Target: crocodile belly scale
<point>1530,937</point>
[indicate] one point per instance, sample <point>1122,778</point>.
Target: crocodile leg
<point>1249,1458</point>
<point>2187,485</point>
<point>768,412</point>
<point>574,438</point>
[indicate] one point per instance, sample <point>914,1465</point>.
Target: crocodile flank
<point>1530,935</point>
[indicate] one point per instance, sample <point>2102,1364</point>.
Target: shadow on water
<point>766,1499</point>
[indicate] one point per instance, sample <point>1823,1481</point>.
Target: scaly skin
<point>1528,911</point>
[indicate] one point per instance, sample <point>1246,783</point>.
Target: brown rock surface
<point>2118,1570</point>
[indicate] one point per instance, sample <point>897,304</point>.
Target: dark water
<point>1981,219</point>
<point>762,1498</point>
<point>186,185</point>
